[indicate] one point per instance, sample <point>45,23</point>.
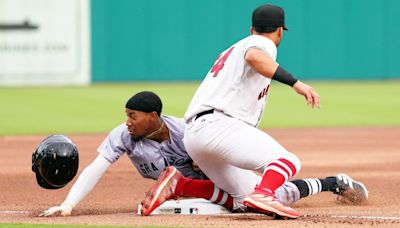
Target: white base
<point>189,207</point>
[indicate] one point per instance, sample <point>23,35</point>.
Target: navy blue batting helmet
<point>55,162</point>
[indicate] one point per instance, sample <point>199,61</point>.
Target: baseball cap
<point>269,16</point>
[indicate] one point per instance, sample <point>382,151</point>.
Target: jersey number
<point>220,62</point>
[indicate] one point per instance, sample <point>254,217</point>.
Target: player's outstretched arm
<point>267,67</point>
<point>85,183</point>
<point>309,94</point>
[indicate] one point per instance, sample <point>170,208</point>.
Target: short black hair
<point>265,29</point>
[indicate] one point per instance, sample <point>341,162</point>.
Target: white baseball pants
<point>228,150</point>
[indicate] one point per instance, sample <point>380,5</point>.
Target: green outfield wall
<point>158,40</point>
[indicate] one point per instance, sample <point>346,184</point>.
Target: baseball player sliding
<point>153,143</point>
<point>222,137</point>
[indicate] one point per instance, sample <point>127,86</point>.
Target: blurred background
<point>98,53</point>
<point>178,39</point>
<point>155,40</point>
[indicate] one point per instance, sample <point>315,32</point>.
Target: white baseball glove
<point>64,209</point>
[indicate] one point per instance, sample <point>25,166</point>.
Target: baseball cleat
<point>349,190</point>
<point>161,191</point>
<point>267,204</point>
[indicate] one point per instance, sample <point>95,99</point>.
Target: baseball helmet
<point>55,162</point>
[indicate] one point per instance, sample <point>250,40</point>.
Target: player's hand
<point>309,93</point>
<point>64,210</point>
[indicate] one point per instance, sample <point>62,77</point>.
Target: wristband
<point>281,75</point>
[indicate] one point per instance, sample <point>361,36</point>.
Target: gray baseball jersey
<point>148,156</point>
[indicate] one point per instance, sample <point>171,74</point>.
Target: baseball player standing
<point>221,136</point>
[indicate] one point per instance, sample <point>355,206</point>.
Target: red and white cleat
<point>161,191</point>
<point>265,203</point>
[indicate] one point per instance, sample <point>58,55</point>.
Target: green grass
<point>344,104</point>
<point>9,225</point>
<point>100,107</point>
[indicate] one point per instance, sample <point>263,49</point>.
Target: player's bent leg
<point>205,189</point>
<point>277,172</point>
<point>161,191</point>
<point>221,139</point>
<point>171,184</point>
<point>207,141</point>
<point>227,179</point>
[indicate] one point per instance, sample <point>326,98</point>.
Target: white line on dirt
<point>13,212</point>
<point>366,217</point>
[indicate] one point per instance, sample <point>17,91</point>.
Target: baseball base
<point>189,207</point>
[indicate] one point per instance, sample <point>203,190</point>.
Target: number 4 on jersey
<point>220,62</point>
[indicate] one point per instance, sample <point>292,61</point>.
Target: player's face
<point>138,123</point>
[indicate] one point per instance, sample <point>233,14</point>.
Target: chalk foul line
<point>13,212</point>
<point>366,217</point>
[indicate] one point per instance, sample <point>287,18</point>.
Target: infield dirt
<point>370,155</point>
